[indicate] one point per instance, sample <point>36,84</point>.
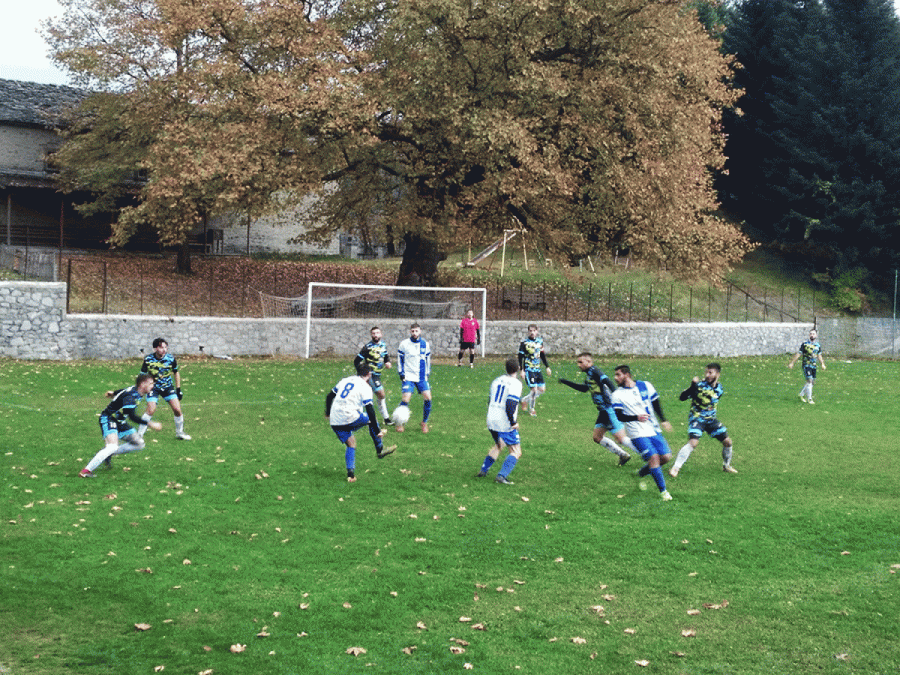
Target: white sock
<point>179,424</point>
<point>628,444</point>
<point>726,454</point>
<point>105,453</point>
<point>683,455</point>
<point>613,447</point>
<point>384,408</point>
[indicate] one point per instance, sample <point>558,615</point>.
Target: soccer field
<point>246,551</point>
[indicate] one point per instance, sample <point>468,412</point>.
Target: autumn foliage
<point>593,125</point>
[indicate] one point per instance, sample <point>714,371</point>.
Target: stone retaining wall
<point>34,325</point>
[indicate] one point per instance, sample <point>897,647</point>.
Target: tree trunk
<point>420,261</point>
<point>183,259</point>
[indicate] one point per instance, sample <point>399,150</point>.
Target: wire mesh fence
<point>229,287</point>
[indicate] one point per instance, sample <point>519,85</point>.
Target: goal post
<point>324,301</point>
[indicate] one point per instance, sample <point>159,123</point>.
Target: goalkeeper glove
<point>179,394</point>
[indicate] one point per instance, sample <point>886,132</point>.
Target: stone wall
<point>34,325</point>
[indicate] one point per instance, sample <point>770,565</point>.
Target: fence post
<point>590,293</point>
<point>765,305</point>
<point>650,304</point>
<point>709,303</point>
<point>544,301</point>
<point>103,301</point>
<point>141,287</point>
<point>671,298</point>
<point>566,306</point>
<point>609,302</point>
<point>727,300</point>
<point>68,285</point>
<point>630,301</point>
<point>690,304</point>
<point>211,275</point>
<point>521,287</point>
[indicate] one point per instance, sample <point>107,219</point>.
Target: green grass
<point>800,543</point>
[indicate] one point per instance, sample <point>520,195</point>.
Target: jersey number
<point>501,393</point>
<point>346,390</point>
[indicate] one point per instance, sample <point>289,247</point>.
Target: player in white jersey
<point>348,407</point>
<point>414,367</point>
<point>637,405</point>
<point>502,422</point>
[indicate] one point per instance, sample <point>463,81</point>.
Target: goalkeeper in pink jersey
<point>469,336</point>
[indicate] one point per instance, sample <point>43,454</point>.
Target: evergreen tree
<point>814,143</point>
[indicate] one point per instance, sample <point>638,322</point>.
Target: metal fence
<point>30,262</point>
<point>223,286</point>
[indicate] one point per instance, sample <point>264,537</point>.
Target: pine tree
<point>814,144</point>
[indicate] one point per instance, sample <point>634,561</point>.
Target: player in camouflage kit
<point>114,424</point>
<point>167,384</point>
<point>375,355</point>
<point>531,356</point>
<point>704,396</point>
<point>811,351</point>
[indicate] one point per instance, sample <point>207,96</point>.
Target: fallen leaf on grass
<point>347,605</point>
<point>237,649</point>
<point>457,650</point>
<point>465,619</point>
<point>845,552</point>
<point>609,598</point>
<point>688,632</point>
<point>303,605</point>
<point>468,666</point>
<point>409,650</point>
<point>693,612</point>
<point>262,633</point>
<point>159,669</point>
<point>356,651</point>
<point>721,605</point>
<point>579,640</point>
<point>680,654</point>
<point>145,570</point>
<point>207,648</point>
<point>185,562</point>
<point>598,608</point>
<point>208,671</point>
<point>142,626</point>
<point>421,626</point>
<point>643,663</point>
<point>525,499</point>
<point>478,626</point>
<point>842,657</point>
<point>558,560</point>
<point>459,642</point>
<point>630,631</point>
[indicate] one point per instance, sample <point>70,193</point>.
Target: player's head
<point>363,370</point>
<point>622,374</point>
<point>144,383</point>
<point>512,366</point>
<point>375,333</point>
<point>713,370</point>
<point>160,346</point>
<point>584,361</point>
<point>415,331</point>
<point>470,314</point>
<point>813,334</point>
<point>532,331</point>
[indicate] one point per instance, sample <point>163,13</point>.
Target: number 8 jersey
<point>352,395</point>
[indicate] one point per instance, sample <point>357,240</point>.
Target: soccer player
<point>469,336</point>
<point>167,384</point>
<point>637,405</point>
<point>704,395</point>
<point>601,388</point>
<point>414,366</point>
<point>811,351</point>
<point>503,408</point>
<point>348,407</point>
<point>114,423</point>
<point>531,356</point>
<point>374,353</point>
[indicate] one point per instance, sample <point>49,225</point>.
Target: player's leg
<point>426,405</point>
<point>727,452</point>
<point>491,456</point>
<point>810,381</point>
<point>111,442</point>
<point>407,389</point>
<point>148,413</point>
<point>599,436</point>
<point>535,393</point>
<point>686,450</point>
<point>344,432</point>
<point>173,401</point>
<point>460,355</point>
<point>515,452</point>
<point>471,357</point>
<point>381,395</point>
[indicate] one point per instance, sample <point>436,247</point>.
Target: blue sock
<point>488,463</point>
<point>644,471</point>
<point>508,465</point>
<point>350,458</point>
<point>657,474</point>
<point>426,410</point>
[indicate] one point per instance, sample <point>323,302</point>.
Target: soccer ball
<point>400,416</point>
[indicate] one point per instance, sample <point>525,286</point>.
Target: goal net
<point>325,301</point>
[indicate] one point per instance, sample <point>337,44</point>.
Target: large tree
<point>814,157</point>
<point>592,125</point>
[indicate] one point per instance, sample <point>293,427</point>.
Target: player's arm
<point>144,367</point>
<point>657,408</point>
<point>544,360</point>
<point>577,386</point>
<point>328,401</point>
<point>794,360</point>
<point>690,392</point>
<point>177,380</point>
<point>477,334</point>
<point>387,360</point>
<point>822,361</point>
<point>359,359</point>
<point>512,405</point>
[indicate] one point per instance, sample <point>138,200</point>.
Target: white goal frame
<point>320,284</point>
